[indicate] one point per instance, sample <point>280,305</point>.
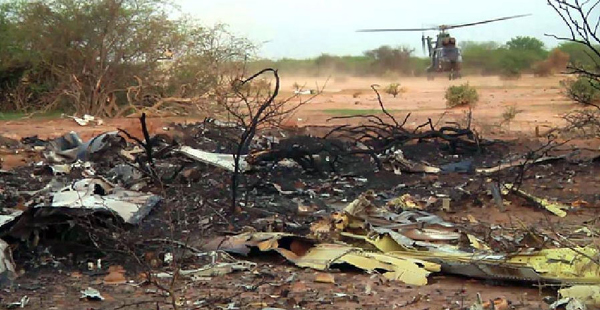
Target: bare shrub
<point>509,114</point>
<point>583,32</point>
<point>583,90</point>
<point>583,124</point>
<point>253,104</point>
<point>393,89</point>
<point>556,62</point>
<point>461,95</point>
<point>543,69</point>
<point>510,74</point>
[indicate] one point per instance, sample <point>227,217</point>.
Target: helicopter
<point>445,56</point>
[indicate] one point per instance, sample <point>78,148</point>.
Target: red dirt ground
<point>540,101</point>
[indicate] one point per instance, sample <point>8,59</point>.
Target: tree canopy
<point>75,54</point>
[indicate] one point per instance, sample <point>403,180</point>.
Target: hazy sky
<point>308,28</point>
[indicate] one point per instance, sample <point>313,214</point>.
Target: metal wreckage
<point>397,239</point>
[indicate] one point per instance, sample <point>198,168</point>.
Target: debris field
<point>374,215</point>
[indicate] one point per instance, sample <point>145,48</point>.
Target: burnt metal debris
<point>375,196</point>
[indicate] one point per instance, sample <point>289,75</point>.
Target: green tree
<point>526,44</point>
<point>521,54</point>
<point>380,61</point>
<point>87,55</point>
<point>14,59</point>
<point>517,55</point>
<point>327,64</point>
<point>205,59</point>
<point>580,55</point>
<point>80,53</point>
<point>481,57</point>
<point>386,58</point>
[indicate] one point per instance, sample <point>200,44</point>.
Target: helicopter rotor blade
<point>445,27</point>
<point>392,30</point>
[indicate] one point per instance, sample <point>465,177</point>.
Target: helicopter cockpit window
<point>450,54</point>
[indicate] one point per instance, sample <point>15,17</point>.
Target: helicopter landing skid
<point>452,75</point>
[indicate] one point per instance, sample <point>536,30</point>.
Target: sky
<point>309,28</point>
